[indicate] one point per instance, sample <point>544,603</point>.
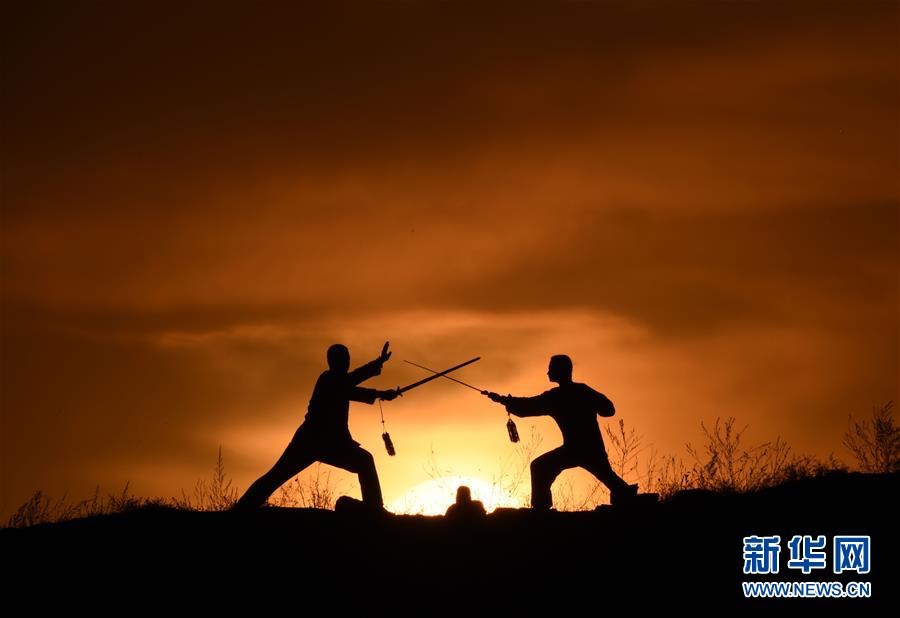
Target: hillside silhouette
<point>685,551</point>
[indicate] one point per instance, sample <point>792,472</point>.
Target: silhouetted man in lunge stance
<point>574,407</point>
<point>324,435</point>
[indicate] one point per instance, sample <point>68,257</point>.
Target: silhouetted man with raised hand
<point>324,435</point>
<point>574,407</point>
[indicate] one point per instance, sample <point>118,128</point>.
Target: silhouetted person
<point>574,407</point>
<point>324,435</point>
<point>465,507</point>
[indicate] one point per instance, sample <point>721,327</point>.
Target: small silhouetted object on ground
<point>324,435</point>
<point>574,407</point>
<point>465,507</point>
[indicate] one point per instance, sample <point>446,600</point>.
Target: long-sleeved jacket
<point>329,407</point>
<point>574,406</point>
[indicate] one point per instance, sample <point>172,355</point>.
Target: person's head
<point>463,494</point>
<point>560,369</point>
<point>339,358</point>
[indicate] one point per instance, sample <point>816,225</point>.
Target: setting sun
<point>434,496</point>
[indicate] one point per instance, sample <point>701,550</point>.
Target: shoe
<point>240,507</point>
<point>625,496</point>
<point>346,504</point>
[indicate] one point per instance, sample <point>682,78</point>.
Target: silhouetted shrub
<point>875,442</point>
<point>216,494</point>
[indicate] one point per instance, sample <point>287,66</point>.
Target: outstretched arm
<point>523,406</point>
<point>370,395</point>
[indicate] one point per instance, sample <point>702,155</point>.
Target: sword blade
<point>437,375</point>
<point>474,388</point>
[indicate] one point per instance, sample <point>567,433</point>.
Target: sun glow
<point>434,496</point>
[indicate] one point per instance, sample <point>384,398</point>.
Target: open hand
<point>384,352</point>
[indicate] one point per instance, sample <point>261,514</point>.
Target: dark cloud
<point>689,274</point>
<point>173,100</point>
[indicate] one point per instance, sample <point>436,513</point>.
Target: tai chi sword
<point>474,388</point>
<point>510,425</point>
<point>436,375</point>
<point>388,443</point>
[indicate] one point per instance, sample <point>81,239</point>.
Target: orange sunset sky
<point>697,201</point>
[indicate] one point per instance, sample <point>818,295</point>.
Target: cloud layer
<point>699,202</point>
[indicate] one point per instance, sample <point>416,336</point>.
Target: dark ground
<point>686,552</point>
